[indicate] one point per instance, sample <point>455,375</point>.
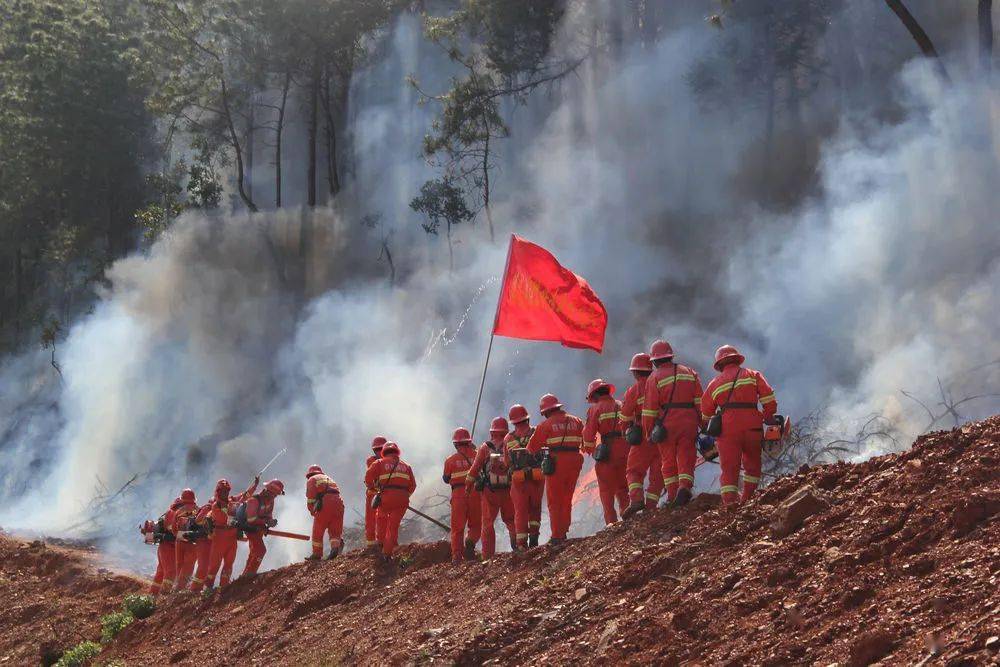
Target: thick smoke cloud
<point>201,360</point>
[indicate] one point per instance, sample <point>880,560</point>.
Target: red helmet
<point>641,362</point>
<point>377,443</point>
<point>223,485</point>
<point>314,469</point>
<point>518,413</point>
<point>187,496</point>
<point>727,354</point>
<point>597,384</point>
<point>547,403</point>
<point>275,487</point>
<point>389,449</point>
<point>461,435</point>
<point>660,349</point>
<point>499,425</point>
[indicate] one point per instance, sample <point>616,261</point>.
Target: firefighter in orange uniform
<point>466,500</point>
<point>203,545</point>
<point>643,457</point>
<point>393,478</point>
<point>670,419</point>
<point>496,492</point>
<point>186,551</point>
<point>327,509</point>
<point>736,392</point>
<point>260,508</point>
<point>166,552</point>
<point>603,417</point>
<point>527,482</point>
<point>377,444</point>
<point>561,434</point>
<point>224,531</point>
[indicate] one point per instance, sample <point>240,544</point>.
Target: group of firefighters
<point>644,445</point>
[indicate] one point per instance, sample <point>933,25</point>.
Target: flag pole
<point>489,349</point>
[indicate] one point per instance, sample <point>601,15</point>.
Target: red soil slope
<point>896,559</point>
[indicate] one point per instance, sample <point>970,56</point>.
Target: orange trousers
<point>527,500</point>
<point>389,516</point>
<point>678,454</point>
<point>166,569</point>
<point>204,557</point>
<point>611,482</point>
<point>223,554</point>
<point>466,518</point>
<point>739,447</point>
<point>559,491</point>
<point>329,520</point>
<point>644,459</point>
<point>369,519</point>
<point>496,502</point>
<point>185,556</point>
<point>257,551</point>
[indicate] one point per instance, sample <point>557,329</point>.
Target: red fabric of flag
<point>542,300</point>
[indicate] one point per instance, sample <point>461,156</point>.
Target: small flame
<point>587,489</point>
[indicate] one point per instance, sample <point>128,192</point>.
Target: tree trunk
<point>313,121</point>
<point>278,130</point>
<point>986,35</point>
<point>918,34</point>
<point>451,251</point>
<point>237,148</point>
<point>486,185</point>
<point>250,138</point>
<point>330,134</point>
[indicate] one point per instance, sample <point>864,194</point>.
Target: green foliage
<point>441,202</point>
<point>140,606</point>
<point>113,623</point>
<point>79,654</point>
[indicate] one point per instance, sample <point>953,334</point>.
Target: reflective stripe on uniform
<point>650,413</point>
<point>726,386</point>
<point>681,377</point>
<point>522,536</point>
<point>317,544</point>
<point>764,400</point>
<point>652,496</point>
<point>558,439</point>
<point>535,523</point>
<point>728,488</point>
<point>670,480</point>
<point>697,400</point>
<point>626,417</point>
<point>394,475</point>
<point>634,485</point>
<point>640,400</point>
<point>460,473</point>
<point>591,445</point>
<point>689,478</point>
<point>606,415</point>
<point>750,478</point>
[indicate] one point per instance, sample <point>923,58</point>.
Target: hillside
<point>897,559</point>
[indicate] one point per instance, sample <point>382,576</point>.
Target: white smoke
<point>198,363</point>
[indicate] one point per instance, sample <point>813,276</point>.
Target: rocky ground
<point>894,560</point>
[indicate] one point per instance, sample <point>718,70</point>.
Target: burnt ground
<point>896,559</point>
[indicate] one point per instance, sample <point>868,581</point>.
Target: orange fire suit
<point>395,481</point>
<point>224,536</point>
<point>742,425</point>
<point>562,433</point>
<point>166,555</point>
<point>203,548</point>
<point>369,512</point>
<point>496,496</point>
<point>602,420</point>
<point>527,485</point>
<point>327,509</point>
<point>260,507</point>
<point>672,397</point>
<point>644,458</point>
<point>466,502</point>
<point>186,551</point>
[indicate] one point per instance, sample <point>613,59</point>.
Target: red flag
<point>542,300</point>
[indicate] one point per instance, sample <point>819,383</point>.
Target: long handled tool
<point>281,533</point>
<point>268,464</point>
<point>429,518</point>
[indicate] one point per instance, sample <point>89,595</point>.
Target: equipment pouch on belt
<point>548,464</point>
<point>633,434</point>
<point>603,452</point>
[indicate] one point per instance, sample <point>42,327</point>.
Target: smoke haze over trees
<point>215,215</point>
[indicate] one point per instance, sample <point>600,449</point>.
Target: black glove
<point>271,523</point>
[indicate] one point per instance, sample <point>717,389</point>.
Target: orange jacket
<point>560,432</point>
<point>369,491</point>
<point>499,470</point>
<point>751,389</point>
<point>602,419</point>
<point>677,385</point>
<point>318,486</point>
<point>391,472</point>
<point>632,402</point>
<point>458,465</point>
<point>259,510</point>
<point>223,508</point>
<point>180,516</point>
<point>516,442</point>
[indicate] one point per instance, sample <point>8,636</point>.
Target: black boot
<point>632,508</point>
<point>532,541</point>
<point>333,553</point>
<point>683,497</point>
<point>470,550</point>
